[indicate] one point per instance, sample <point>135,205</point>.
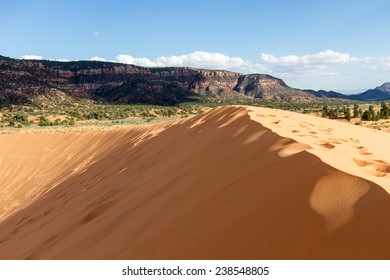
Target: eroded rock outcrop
<point>23,81</point>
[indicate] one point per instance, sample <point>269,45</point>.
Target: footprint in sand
<point>381,166</point>
<point>337,140</point>
<point>96,212</point>
<point>326,129</point>
<point>363,151</point>
<point>376,168</point>
<point>361,163</point>
<point>327,145</point>
<point>308,124</point>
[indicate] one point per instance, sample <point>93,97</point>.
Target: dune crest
<point>231,183</point>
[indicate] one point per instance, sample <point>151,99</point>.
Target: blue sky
<point>332,45</point>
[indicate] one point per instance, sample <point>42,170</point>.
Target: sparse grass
<point>83,115</point>
<point>91,125</point>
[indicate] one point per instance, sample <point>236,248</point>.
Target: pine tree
<point>347,114</point>
<point>356,111</point>
<point>325,111</point>
<point>371,113</point>
<point>385,111</point>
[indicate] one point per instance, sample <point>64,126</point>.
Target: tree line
<point>357,112</point>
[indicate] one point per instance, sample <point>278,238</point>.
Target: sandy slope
<point>217,186</point>
<point>350,148</point>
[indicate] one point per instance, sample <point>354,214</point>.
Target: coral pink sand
<point>231,183</point>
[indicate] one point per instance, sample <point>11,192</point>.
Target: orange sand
<point>221,185</point>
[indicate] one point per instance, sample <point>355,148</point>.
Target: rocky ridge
<point>26,81</point>
<point>379,93</point>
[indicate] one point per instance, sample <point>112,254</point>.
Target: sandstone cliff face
<point>22,81</point>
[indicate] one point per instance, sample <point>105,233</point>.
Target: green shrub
<point>20,117</point>
<point>43,121</point>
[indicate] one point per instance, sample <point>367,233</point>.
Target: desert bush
<point>43,121</point>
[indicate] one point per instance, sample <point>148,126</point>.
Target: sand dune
<point>231,183</point>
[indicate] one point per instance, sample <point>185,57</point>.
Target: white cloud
<point>326,57</point>
<point>385,62</point>
<point>330,64</point>
<point>143,61</point>
<point>289,65</point>
<point>328,70</point>
<point>62,60</point>
<point>96,58</point>
<point>34,57</point>
<point>376,63</point>
<point>196,59</point>
<point>366,59</point>
<point>203,59</point>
